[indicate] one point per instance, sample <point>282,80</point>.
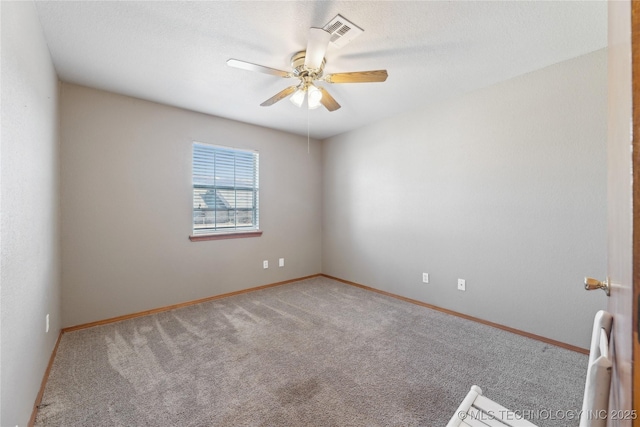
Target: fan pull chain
<point>308,143</point>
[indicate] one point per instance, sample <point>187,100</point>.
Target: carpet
<point>311,353</point>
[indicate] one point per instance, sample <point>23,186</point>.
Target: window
<point>225,192</point>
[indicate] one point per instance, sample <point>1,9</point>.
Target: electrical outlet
<point>425,277</point>
<point>462,285</point>
<point>281,262</point>
<point>265,264</point>
<point>47,323</point>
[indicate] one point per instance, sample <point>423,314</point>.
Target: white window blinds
<point>225,189</point>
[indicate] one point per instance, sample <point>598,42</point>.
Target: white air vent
<point>342,31</point>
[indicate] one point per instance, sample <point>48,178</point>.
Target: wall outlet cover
<point>462,285</point>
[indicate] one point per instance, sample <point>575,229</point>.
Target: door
<point>623,220</point>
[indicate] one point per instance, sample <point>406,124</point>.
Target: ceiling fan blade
<point>327,100</point>
<point>279,96</point>
<point>236,63</point>
<point>357,77</point>
<point>316,48</point>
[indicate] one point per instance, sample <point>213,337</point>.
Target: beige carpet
<point>311,353</point>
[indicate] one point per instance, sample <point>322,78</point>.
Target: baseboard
<point>45,377</point>
<point>465,316</point>
<point>179,305</point>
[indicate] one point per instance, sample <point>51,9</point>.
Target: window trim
<point>222,234</point>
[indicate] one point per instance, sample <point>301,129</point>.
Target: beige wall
<point>126,207</point>
<point>504,187</point>
<point>29,200</point>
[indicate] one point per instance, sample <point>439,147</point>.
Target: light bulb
<point>314,97</point>
<point>298,98</point>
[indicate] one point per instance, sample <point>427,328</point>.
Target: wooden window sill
<point>221,236</point>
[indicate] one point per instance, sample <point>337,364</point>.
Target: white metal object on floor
<point>595,404</point>
<point>479,411</point>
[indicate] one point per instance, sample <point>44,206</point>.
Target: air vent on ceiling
<point>342,31</point>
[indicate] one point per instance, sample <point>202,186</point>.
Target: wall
<point>504,187</point>
<point>126,207</point>
<point>29,231</point>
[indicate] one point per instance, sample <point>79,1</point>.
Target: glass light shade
<point>314,97</point>
<point>298,98</point>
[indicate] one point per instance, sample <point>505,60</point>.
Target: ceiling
<point>175,52</point>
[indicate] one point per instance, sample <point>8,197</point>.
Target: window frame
<point>234,231</point>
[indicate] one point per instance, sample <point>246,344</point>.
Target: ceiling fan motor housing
<point>299,69</point>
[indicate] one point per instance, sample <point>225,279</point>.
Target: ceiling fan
<point>308,66</point>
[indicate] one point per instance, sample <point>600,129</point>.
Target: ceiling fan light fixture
<point>298,98</point>
<point>313,97</point>
<point>308,67</point>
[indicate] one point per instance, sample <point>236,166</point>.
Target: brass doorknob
<point>590,284</point>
